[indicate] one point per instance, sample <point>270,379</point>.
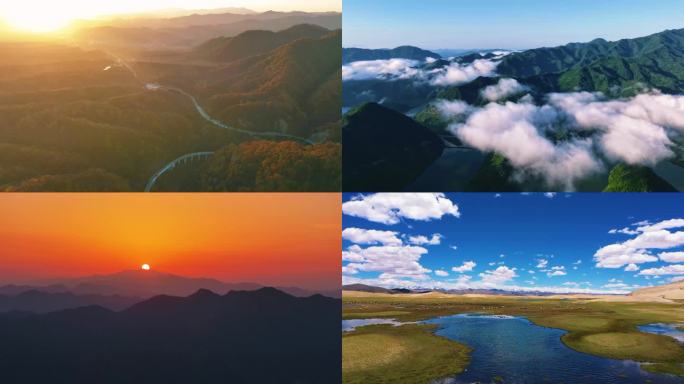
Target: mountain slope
<point>256,42</point>
<point>653,61</point>
<point>404,52</point>
<point>384,150</point>
<point>672,291</point>
<point>263,336</point>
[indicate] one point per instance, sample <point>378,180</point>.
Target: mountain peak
<point>204,293</point>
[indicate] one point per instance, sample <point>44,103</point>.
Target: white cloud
<point>454,247</point>
<point>390,208</point>
<point>636,250</point>
<point>626,231</point>
<point>550,195</point>
<point>503,89</point>
<point>370,236</point>
<point>500,275</point>
<point>672,269</point>
<point>450,109</point>
<point>456,73</point>
<point>441,273</point>
<point>466,267</point>
<point>542,263</point>
<point>672,257</point>
<point>556,271</point>
<point>423,240</point>
<point>392,69</point>
<point>391,261</point>
<point>631,268</point>
<point>516,132</point>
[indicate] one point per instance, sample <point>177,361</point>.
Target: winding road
<point>202,112</point>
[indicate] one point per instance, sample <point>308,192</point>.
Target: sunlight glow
<point>48,15</point>
<point>145,267</point>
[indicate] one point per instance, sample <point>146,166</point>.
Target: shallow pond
<point>514,350</point>
<point>350,325</point>
<point>664,329</point>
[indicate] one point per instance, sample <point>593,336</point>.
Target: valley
<point>86,113</point>
<point>580,117</point>
<point>607,330</point>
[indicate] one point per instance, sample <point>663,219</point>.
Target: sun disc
<point>145,267</point>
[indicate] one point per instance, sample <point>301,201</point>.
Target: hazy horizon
<point>54,16</point>
<point>492,24</point>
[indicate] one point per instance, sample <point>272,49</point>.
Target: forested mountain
<point>403,52</point>
<point>264,336</point>
<point>256,42</point>
<point>85,120</point>
<point>654,61</point>
<point>384,150</point>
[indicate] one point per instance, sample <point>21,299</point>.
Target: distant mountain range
<point>188,31</point>
<point>498,292</point>
<point>262,336</point>
<point>618,69</point>
<point>404,52</point>
<point>118,291</point>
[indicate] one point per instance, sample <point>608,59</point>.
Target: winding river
<point>514,350</point>
<point>508,349</point>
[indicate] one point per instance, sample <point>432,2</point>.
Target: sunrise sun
<point>145,267</point>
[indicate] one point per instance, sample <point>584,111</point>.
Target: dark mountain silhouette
<point>263,336</point>
<point>255,42</point>
<point>404,52</point>
<point>385,150</point>
<point>135,284</point>
<point>43,302</point>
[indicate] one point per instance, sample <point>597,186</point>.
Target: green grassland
<point>606,329</point>
<point>406,354</point>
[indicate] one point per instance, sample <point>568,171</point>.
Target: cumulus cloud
<point>673,269</point>
<point>450,109</point>
<point>370,236</point>
<point>515,130</point>
<point>391,261</point>
<point>637,249</point>
<point>436,239</point>
<point>465,267</point>
<point>441,273</point>
<point>542,263</point>
<point>556,271</point>
<point>672,257</point>
<point>456,73</point>
<point>392,69</point>
<point>499,275</point>
<point>400,69</point>
<point>631,267</point>
<point>503,89</point>
<point>390,208</point>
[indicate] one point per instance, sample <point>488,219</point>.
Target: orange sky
<point>276,239</point>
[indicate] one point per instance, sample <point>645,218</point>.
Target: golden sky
<point>48,15</point>
<point>275,239</point>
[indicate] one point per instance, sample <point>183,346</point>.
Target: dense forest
<point>106,119</point>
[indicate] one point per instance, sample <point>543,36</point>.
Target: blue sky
<point>517,24</point>
<point>564,239</point>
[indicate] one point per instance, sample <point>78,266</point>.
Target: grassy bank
<point>606,329</point>
<point>399,355</point>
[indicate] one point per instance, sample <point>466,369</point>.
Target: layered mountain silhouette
<point>384,149</point>
<point>403,52</point>
<point>262,336</point>
<point>119,290</point>
<point>42,302</point>
<point>188,31</point>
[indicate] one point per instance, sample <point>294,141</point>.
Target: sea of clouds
<point>636,131</point>
<point>401,69</point>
